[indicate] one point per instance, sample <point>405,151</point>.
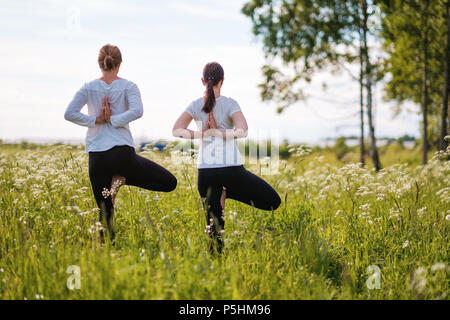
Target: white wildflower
<point>422,211</point>
<point>438,266</point>
<point>106,193</point>
<point>96,227</point>
<point>405,244</point>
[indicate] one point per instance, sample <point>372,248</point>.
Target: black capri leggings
<point>138,171</point>
<point>240,184</point>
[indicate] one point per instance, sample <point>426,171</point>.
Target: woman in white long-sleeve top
<point>112,103</point>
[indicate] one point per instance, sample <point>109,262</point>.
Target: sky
<point>49,50</point>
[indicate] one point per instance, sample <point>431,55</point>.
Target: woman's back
<point>222,112</point>
<point>125,104</point>
<point>215,153</point>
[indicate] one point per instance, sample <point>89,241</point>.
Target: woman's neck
<point>109,77</point>
<point>216,92</point>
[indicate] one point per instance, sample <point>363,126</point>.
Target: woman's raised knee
<point>276,201</point>
<point>171,183</point>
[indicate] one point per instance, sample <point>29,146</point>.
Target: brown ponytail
<point>109,57</point>
<point>212,75</point>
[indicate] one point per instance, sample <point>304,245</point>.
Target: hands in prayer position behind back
<point>105,112</point>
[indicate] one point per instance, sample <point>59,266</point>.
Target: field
<point>342,232</point>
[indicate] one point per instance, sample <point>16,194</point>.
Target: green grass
<point>335,221</point>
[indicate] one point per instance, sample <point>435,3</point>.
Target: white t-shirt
<point>216,152</point>
<point>126,105</point>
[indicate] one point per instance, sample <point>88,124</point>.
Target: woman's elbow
<point>181,133</point>
<point>176,132</point>
<point>68,116</point>
<point>139,113</point>
<point>242,132</point>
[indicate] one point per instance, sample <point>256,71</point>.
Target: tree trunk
<point>442,145</point>
<point>361,100</point>
<point>368,76</point>
<point>425,85</point>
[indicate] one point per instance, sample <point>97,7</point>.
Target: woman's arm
<point>73,113</point>
<point>240,127</point>
<point>135,108</point>
<point>180,129</point>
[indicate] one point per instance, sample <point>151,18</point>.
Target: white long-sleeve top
<point>126,106</point>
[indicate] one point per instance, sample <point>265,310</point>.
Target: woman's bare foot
<point>116,182</point>
<point>223,197</point>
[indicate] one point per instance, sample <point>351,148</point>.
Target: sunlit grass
<point>335,221</point>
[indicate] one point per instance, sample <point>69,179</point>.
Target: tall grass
<point>335,221</point>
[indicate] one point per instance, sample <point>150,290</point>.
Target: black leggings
<point>241,185</point>
<point>138,171</point>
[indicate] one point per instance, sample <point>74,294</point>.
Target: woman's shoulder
<point>195,107</point>
<point>227,101</point>
<point>197,103</point>
<point>222,102</point>
<point>125,83</point>
<point>119,83</point>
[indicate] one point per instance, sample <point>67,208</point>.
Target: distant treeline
<point>260,149</point>
<point>252,148</point>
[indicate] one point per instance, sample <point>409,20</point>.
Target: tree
<point>369,74</point>
<point>310,36</point>
<point>445,120</point>
<point>413,38</point>
<point>362,152</point>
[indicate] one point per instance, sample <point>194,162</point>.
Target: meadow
<point>341,232</point>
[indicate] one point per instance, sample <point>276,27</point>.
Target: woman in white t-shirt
<point>112,103</point>
<point>221,173</point>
